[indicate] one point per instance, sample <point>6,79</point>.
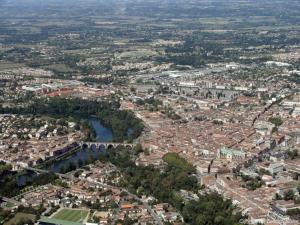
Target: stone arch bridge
<point>105,145</point>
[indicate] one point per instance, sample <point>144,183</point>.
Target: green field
<point>20,217</point>
<point>9,205</point>
<point>73,215</point>
<point>136,54</point>
<point>59,68</point>
<point>8,65</point>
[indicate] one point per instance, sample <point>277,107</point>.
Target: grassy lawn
<point>73,215</point>
<point>19,217</point>
<point>9,205</point>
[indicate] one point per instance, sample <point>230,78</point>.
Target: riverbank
<point>125,126</point>
<point>60,157</point>
<point>79,156</point>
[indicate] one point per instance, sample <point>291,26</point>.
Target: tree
<point>288,195</point>
<point>173,159</point>
<point>277,121</point>
<point>138,149</point>
<point>293,154</point>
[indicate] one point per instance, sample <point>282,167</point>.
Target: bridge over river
<point>91,145</point>
<point>106,145</point>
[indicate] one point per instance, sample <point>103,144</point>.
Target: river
<point>103,134</point>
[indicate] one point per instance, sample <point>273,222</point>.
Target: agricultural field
<point>59,67</point>
<point>4,65</point>
<point>73,215</point>
<point>190,33</point>
<point>136,54</point>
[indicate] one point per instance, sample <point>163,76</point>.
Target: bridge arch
<point>93,147</point>
<point>109,146</point>
<point>102,147</point>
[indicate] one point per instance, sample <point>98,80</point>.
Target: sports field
<point>73,215</point>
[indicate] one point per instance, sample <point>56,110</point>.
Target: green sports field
<point>73,215</point>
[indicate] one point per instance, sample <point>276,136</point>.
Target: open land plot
<point>59,67</point>
<point>136,54</point>
<point>8,65</point>
<point>19,217</point>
